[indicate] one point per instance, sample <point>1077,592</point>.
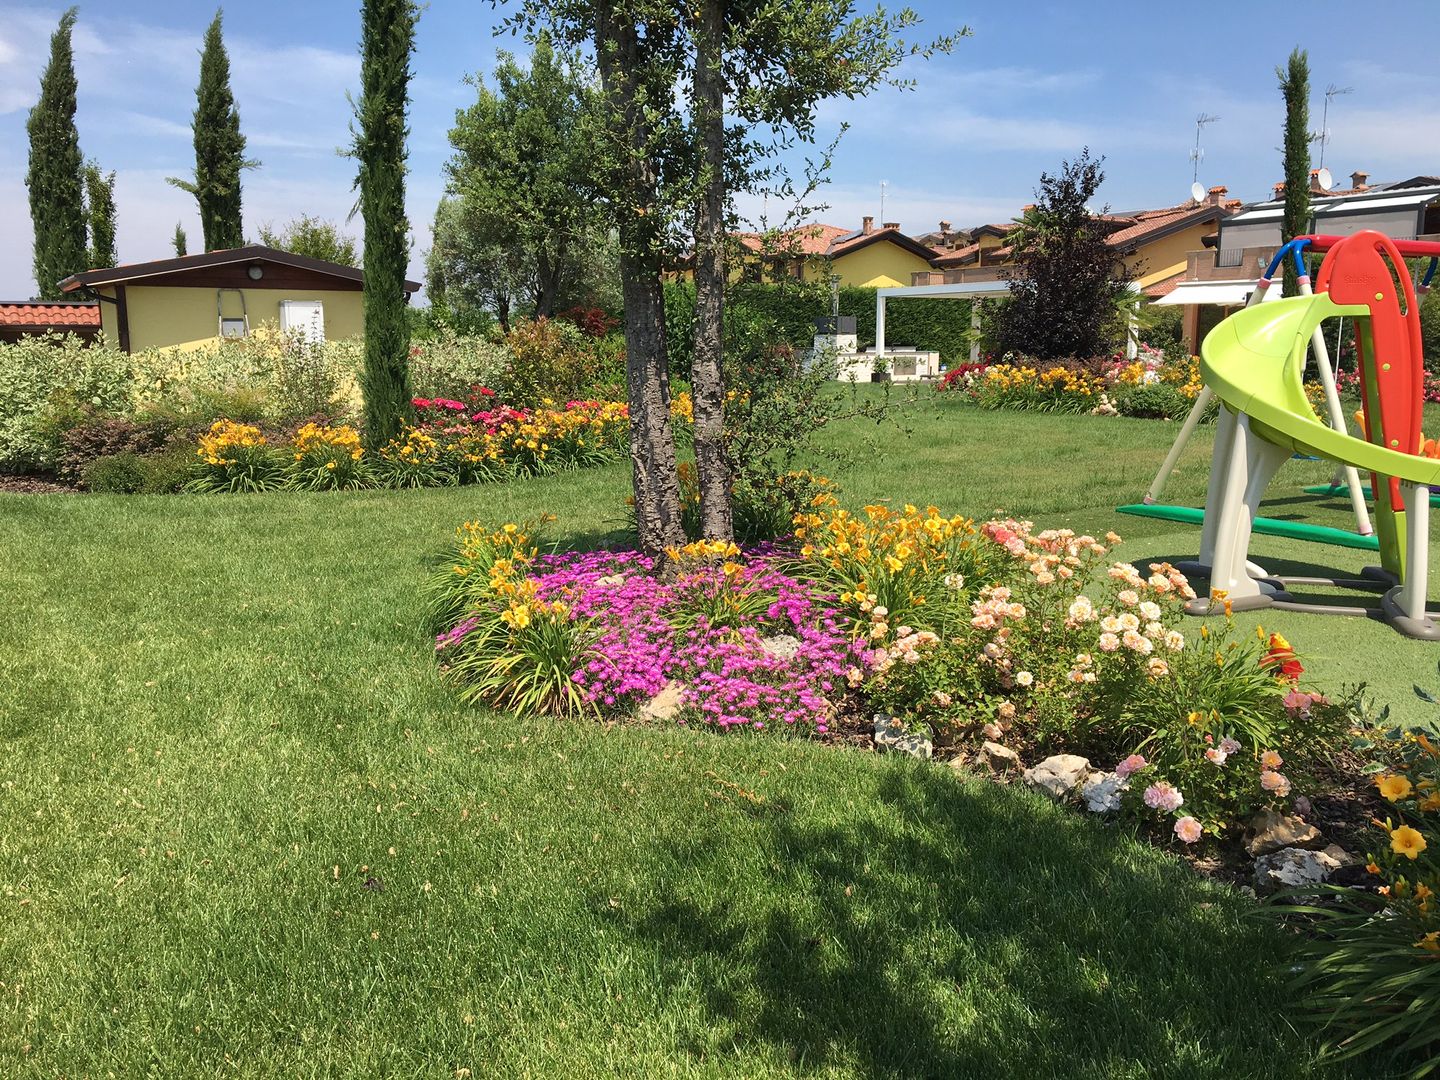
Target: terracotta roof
<point>805,239</point>
<point>65,315</point>
<point>1163,288</point>
<point>1136,227</point>
<point>250,253</point>
<point>833,241</point>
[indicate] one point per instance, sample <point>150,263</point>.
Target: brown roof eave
<point>120,275</point>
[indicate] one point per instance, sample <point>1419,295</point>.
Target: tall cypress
<point>179,241</point>
<point>387,38</point>
<point>219,147</point>
<point>100,212</point>
<point>1295,87</point>
<point>55,180</point>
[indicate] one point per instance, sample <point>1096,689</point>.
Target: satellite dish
<point>1197,191</point>
<point>1325,179</point>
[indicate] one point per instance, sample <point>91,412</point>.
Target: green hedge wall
<point>940,325</point>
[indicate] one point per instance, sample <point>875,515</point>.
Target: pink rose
<point>1188,829</point>
<point>1163,796</point>
<point>1131,765</point>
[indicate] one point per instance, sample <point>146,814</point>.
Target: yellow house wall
<point>1166,256</point>
<point>185,318</point>
<point>879,265</point>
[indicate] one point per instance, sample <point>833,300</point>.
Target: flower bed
<point>452,444</point>
<point>964,634</point>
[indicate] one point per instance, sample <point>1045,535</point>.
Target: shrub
<point>103,436</point>
<point>451,365</point>
<point>1223,723</point>
<point>48,383</point>
<point>1057,388</point>
<point>127,473</point>
<point>1153,401</point>
<point>236,457</point>
<point>115,474</point>
<point>546,359</point>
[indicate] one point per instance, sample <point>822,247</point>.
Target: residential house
<point>195,299</point>
<point>1153,244</point>
<point>30,318</point>
<point>867,256</point>
<point>1220,277</point>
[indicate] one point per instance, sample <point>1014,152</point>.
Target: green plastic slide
<point>1273,395</point>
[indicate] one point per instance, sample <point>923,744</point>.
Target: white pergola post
<point>975,330</point>
<point>879,324</point>
<point>1132,332</point>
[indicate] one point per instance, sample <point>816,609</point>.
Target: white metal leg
<point>1192,419</point>
<point>1417,549</point>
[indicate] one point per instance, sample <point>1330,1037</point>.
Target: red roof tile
<point>26,315</point>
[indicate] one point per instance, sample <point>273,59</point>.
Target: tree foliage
<point>1068,284</point>
<point>100,215</point>
<point>313,237</point>
<point>180,242</point>
<point>668,168</point>
<point>219,147</point>
<point>56,174</point>
<point>1295,88</point>
<point>519,217</point>
<point>387,40</point>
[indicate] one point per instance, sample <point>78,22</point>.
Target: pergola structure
<point>960,290</point>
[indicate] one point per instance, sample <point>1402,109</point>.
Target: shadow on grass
<point>972,931</point>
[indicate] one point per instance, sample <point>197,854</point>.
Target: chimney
<point>1217,196</point>
<point>1278,191</point>
<point>945,234</point>
<point>1360,181</point>
<point>892,225</point>
<point>867,225</point>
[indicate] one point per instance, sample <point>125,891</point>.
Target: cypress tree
<point>387,38</point>
<point>180,241</point>
<point>219,147</point>
<point>57,200</point>
<point>100,210</point>
<point>1295,87</point>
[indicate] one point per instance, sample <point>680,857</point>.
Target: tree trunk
<point>652,441</point>
<point>706,377</point>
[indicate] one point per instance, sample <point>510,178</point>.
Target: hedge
<point>933,325</point>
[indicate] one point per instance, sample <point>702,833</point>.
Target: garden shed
<point>189,301</point>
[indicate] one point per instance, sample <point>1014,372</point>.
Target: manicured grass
<point>220,721</point>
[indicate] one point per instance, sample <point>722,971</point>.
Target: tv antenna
<point>1197,155</point>
<point>1323,135</point>
<point>884,184</point>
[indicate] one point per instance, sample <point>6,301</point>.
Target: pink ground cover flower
<point>646,636</point>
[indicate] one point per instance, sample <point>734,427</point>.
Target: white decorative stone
<point>611,580</point>
<point>1289,867</point>
<point>781,646</point>
<point>1059,775</point>
<point>1102,791</point>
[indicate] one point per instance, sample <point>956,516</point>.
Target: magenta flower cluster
<point>783,666</point>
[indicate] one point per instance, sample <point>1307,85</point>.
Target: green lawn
<point>219,720</point>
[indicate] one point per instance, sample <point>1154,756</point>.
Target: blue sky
<point>1034,84</point>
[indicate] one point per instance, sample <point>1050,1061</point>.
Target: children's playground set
<point>1253,364</point>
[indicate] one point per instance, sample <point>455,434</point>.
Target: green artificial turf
<point>244,830</point>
